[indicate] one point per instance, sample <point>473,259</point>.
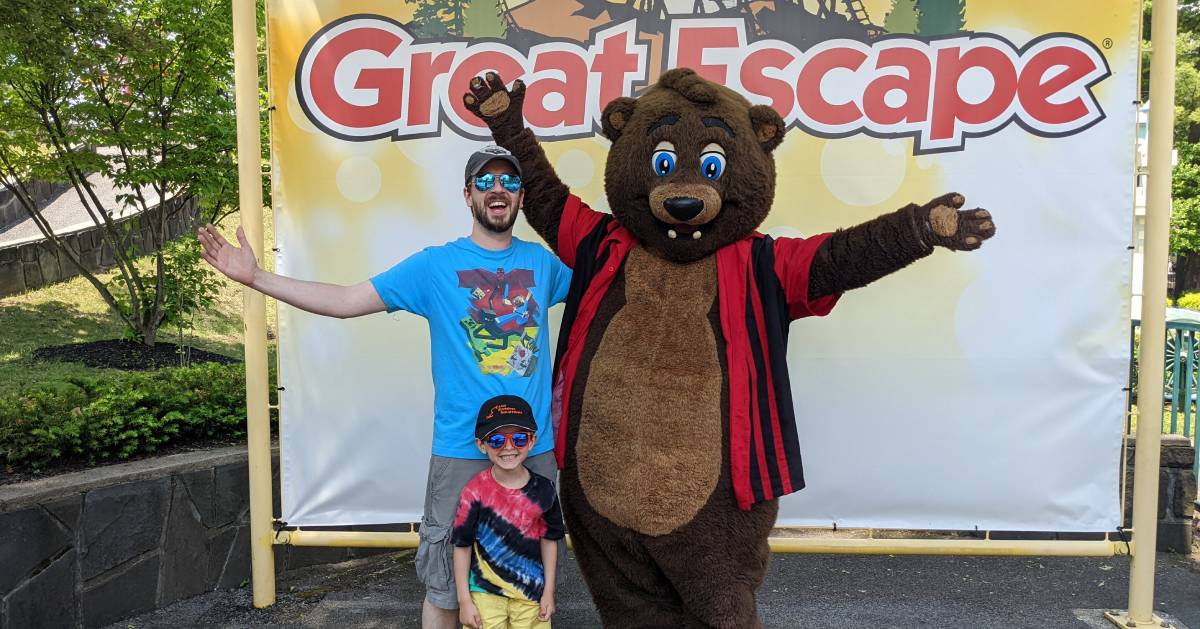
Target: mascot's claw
<point>947,226</point>
<point>495,104</point>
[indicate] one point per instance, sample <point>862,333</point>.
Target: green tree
<point>902,18</point>
<point>1185,189</point>
<point>1185,213</point>
<point>1185,218</point>
<point>438,18</point>
<point>940,17</point>
<point>138,91</point>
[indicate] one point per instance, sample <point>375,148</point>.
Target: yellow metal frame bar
<point>258,424</point>
<point>263,537</point>
<point>973,547</point>
<point>347,539</point>
<point>845,546</point>
<point>1154,294</point>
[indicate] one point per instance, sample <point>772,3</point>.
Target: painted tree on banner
<point>941,17</point>
<point>902,18</point>
<point>436,18</point>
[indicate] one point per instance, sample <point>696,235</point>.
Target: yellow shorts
<point>501,612</point>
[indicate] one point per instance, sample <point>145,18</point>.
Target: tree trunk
<point>149,335</point>
<point>1187,273</point>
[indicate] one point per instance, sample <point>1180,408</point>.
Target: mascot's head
<point>690,168</point>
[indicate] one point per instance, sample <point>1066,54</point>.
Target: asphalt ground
<point>801,591</point>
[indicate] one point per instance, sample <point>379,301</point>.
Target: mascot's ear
<point>768,126</point>
<point>616,116</point>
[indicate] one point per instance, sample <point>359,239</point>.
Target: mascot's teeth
<point>696,235</point>
<point>671,234</point>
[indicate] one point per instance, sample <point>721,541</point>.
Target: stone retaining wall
<point>11,210</point>
<point>1176,493</point>
<point>35,264</point>
<point>90,548</point>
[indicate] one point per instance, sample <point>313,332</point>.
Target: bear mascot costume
<point>675,430</point>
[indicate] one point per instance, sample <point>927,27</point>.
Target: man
<point>485,297</point>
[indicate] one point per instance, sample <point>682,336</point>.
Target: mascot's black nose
<point>684,208</point>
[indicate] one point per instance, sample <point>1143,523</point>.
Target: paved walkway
<point>66,213</point>
<point>809,591</point>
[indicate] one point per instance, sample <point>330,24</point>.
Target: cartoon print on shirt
<point>523,359</point>
<point>500,323</point>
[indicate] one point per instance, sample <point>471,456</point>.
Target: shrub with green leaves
<point>118,417</point>
<point>1191,301</point>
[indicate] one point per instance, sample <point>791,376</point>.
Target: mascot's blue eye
<point>663,163</point>
<point>712,165</point>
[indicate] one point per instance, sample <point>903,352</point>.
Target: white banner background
<point>995,403</point>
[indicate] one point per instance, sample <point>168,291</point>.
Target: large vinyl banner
<point>981,390</point>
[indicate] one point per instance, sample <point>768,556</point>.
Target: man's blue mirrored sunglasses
<point>483,183</point>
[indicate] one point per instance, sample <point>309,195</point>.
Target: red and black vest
<point>762,288</point>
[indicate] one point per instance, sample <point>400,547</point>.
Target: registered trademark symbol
<point>1107,43</point>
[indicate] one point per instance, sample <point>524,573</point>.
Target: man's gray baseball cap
<point>480,158</point>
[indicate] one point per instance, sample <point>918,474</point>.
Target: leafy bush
<point>188,288</point>
<point>117,417</point>
<point>1191,301</point>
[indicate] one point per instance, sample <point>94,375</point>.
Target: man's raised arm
<point>239,265</point>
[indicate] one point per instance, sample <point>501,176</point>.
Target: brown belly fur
<point>649,446</point>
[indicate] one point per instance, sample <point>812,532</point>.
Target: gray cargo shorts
<point>447,477</point>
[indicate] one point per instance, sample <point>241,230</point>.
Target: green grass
<point>1166,421</point>
<point>74,312</point>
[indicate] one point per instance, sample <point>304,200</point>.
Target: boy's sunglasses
<point>483,183</point>
<point>518,439</point>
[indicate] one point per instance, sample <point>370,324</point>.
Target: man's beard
<point>493,224</point>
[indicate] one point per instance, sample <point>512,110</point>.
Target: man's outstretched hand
<point>495,104</point>
<point>236,263</point>
<point>946,225</point>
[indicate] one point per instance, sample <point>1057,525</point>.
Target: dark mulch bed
<point>10,475</point>
<point>118,354</point>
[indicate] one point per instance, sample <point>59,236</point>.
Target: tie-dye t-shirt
<point>506,527</point>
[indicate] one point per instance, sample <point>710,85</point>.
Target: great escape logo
<point>364,77</point>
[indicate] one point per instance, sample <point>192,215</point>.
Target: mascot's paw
<point>496,105</point>
<point>945,225</point>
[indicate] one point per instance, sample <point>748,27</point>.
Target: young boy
<point>507,526</point>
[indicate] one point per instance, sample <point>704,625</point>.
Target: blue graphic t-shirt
<point>487,314</point>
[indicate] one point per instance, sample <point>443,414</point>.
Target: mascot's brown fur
<point>678,432</point>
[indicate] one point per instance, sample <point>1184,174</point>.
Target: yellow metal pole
<point>258,427</point>
<point>1154,296</point>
